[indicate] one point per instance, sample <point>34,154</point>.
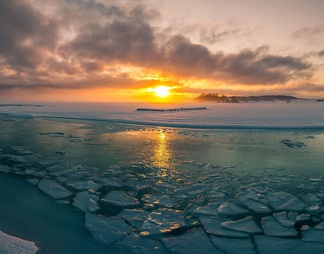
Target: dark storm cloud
<point>24,31</point>
<point>248,66</point>
<point>104,35</point>
<point>124,40</point>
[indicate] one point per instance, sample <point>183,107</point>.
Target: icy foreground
<point>135,209</point>
<point>11,244</point>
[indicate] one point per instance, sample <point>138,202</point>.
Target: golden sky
<point>170,50</point>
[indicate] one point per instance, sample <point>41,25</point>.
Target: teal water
<point>101,144</point>
<point>181,157</point>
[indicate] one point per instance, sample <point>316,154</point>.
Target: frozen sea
<point>98,178</point>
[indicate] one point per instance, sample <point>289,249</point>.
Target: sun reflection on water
<point>162,152</point>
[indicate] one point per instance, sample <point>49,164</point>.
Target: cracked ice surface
<point>133,207</point>
<point>106,230</point>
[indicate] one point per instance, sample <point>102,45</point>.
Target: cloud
<point>249,66</point>
<point>321,53</point>
<point>78,43</point>
<point>308,33</point>
<point>24,34</point>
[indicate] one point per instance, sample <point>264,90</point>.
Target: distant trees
<point>236,99</point>
<point>215,97</point>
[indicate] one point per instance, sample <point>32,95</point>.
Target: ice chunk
<point>134,243</point>
<point>271,245</point>
<point>83,185</point>
<point>210,209</point>
<point>257,206</point>
<point>135,217</point>
<point>162,221</point>
<point>120,198</point>
<point>4,168</point>
<point>304,228</point>
<point>213,226</point>
<point>81,200</point>
<point>320,226</point>
<point>311,199</point>
<point>244,225</point>
<point>77,184</point>
<point>106,230</point>
<point>112,182</point>
<point>233,245</point>
<point>217,194</point>
<point>190,191</point>
<point>54,189</point>
<point>272,227</point>
<point>143,185</point>
<point>277,199</point>
<point>229,209</point>
<point>165,186</point>
<point>194,241</point>
<point>284,219</point>
<point>93,206</point>
<point>159,200</point>
<point>313,208</point>
<point>313,235</point>
<point>33,181</point>
<point>11,244</point>
<point>77,174</point>
<point>303,217</point>
<point>295,205</point>
<point>91,185</point>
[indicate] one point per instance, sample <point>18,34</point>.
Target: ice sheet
<point>304,113</point>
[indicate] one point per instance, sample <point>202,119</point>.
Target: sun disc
<point>162,91</point>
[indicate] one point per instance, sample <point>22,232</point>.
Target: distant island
<point>237,99</point>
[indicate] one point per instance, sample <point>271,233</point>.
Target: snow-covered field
<point>254,186</point>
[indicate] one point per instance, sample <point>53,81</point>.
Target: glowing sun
<point>162,91</point>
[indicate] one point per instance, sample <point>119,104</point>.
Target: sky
<point>121,50</point>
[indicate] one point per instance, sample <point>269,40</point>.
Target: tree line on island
<point>237,99</point>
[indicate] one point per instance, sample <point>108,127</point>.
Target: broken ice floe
<point>229,209</point>
<point>140,245</point>
<point>193,241</point>
<point>119,198</point>
<point>132,205</point>
<point>12,244</point>
<point>106,230</point>
<point>230,245</point>
<point>246,225</point>
<point>162,221</point>
<point>272,227</point>
<point>134,217</point>
<point>84,200</point>
<point>212,225</point>
<point>54,189</point>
